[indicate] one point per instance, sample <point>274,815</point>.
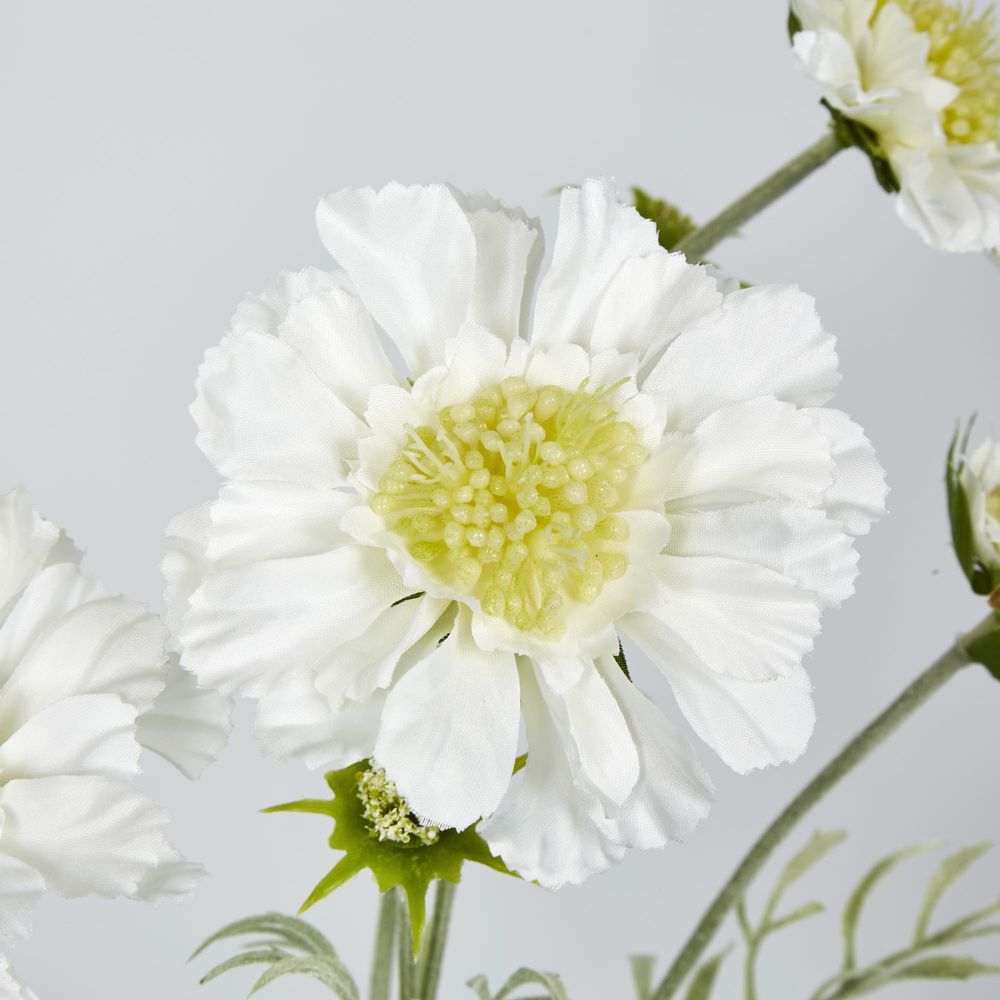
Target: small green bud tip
<point>387,813</point>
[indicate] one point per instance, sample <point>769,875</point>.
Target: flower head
<point>974,507</point>
<point>83,684</point>
<point>407,560</point>
<point>924,77</point>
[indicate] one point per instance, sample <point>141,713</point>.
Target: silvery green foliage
<point>549,981</point>
<point>287,946</point>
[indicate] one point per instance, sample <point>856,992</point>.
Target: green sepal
<point>672,225</point>
<point>960,515</point>
<point>986,649</point>
<point>794,23</point>
<point>852,133</point>
<point>412,867</point>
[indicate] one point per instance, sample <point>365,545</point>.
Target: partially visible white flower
<point>79,671</point>
<point>981,478</point>
<point>10,988</point>
<point>925,76</point>
<point>403,565</point>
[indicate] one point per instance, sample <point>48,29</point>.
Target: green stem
<point>697,244</point>
<point>404,950</point>
<point>381,977</point>
<point>873,735</point>
<point>432,954</point>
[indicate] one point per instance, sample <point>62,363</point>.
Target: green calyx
<point>375,829</point>
<point>672,225</point>
<point>852,133</point>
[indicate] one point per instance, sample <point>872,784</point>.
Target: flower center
<point>387,814</point>
<point>511,499</point>
<point>965,51</point>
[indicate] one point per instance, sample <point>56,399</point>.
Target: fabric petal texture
<point>434,566</point>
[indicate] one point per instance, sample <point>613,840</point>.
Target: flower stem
<point>875,733</point>
<point>404,949</point>
<point>384,939</point>
<point>432,954</point>
<point>697,244</point>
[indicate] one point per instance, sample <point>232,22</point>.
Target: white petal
<point>170,878</point>
<point>333,331</point>
<point>26,541</point>
<point>508,251</point>
<point>188,725</point>
<point>827,56</point>
<point>856,498</point>
<point>52,593</point>
<point>673,792</point>
<point>107,646</point>
<point>82,734</point>
<point>765,341</point>
<point>10,988</point>
<point>543,828</point>
<point>411,254</point>
<point>798,542</point>
<point>740,619</point>
<point>295,720</point>
<point>596,235</point>
<point>185,563</point>
<point>87,835</point>
<point>21,886</point>
<point>449,730</point>
<point>749,724</point>
<point>253,522</point>
<point>267,310</point>
<point>249,626</point>
<point>650,301</point>
<point>262,413</point>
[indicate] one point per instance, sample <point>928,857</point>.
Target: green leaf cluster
<point>289,947</point>
<point>412,867</point>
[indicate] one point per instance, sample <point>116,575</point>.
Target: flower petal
<point>21,886</point>
<point>85,834</point>
<point>411,254</point>
<point>262,413</point>
<point>188,725</point>
<point>185,563</point>
<point>748,723</point>
<point>597,234</point>
<point>449,730</point>
<point>764,341</point>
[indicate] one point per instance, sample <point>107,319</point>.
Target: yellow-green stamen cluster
<point>511,499</point>
<point>965,51</point>
<point>387,814</point>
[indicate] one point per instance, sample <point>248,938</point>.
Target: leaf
<point>947,967</point>
<point>263,956</point>
<point>802,913</point>
<point>951,869</point>
<point>672,225</point>
<point>296,933</point>
<point>818,847</point>
<point>328,971</point>
<point>523,977</point>
<point>642,967</point>
<point>704,979</point>
<point>986,650</point>
<point>858,898</point>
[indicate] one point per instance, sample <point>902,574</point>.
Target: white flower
<point>981,478</point>
<point>10,988</point>
<point>80,677</point>
<point>402,564</point>
<point>925,76</point>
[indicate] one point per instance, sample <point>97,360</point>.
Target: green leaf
<point>947,967</point>
<point>643,967</point>
<point>294,932</point>
<point>858,898</point>
<point>818,847</point>
<point>951,869</point>
<point>672,225</point>
<point>796,916</point>
<point>853,133</point>
<point>328,971</point>
<point>523,977</point>
<point>986,650</point>
<point>264,956</point>
<point>703,981</point>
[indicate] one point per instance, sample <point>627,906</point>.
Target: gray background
<point>158,160</point>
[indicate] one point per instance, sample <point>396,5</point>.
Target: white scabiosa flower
<point>79,672</point>
<point>924,76</point>
<point>405,562</point>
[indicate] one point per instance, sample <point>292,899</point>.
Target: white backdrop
<point>159,160</point>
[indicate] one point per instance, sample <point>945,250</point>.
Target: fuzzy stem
<point>873,735</point>
<point>385,934</point>
<point>404,950</point>
<point>697,244</point>
<point>432,955</point>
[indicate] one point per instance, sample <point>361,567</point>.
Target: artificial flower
<point>406,561</point>
<point>973,483</point>
<point>80,671</point>
<point>10,988</point>
<point>924,77</point>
